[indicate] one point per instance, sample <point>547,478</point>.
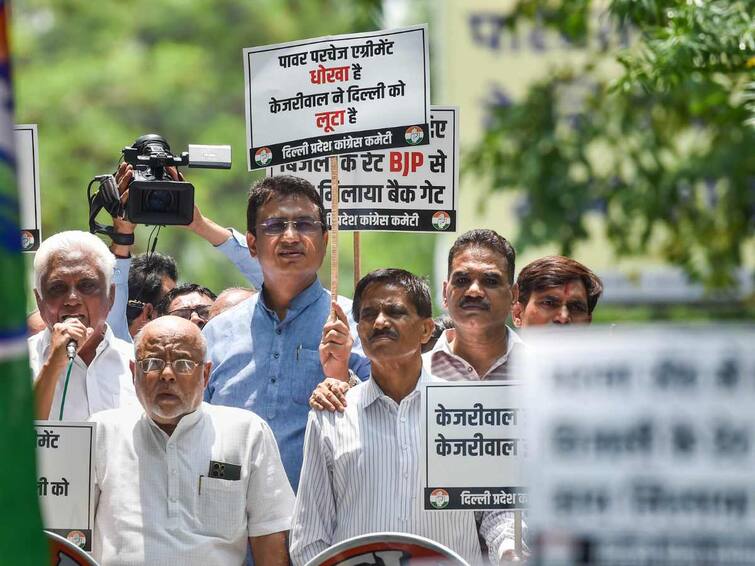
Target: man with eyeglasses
<point>266,352</point>
<point>189,301</point>
<point>180,481</point>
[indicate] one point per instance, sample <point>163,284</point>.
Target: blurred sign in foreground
<point>642,445</point>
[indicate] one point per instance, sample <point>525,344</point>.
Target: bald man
<point>180,481</point>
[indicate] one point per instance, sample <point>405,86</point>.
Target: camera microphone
<point>71,349</point>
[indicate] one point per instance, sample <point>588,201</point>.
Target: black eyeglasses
<point>203,311</point>
<point>157,365</point>
<point>276,226</point>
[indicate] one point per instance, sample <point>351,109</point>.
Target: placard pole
<point>334,227</point>
<point>357,258</point>
<point>518,533</point>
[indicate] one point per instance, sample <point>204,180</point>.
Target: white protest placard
<point>403,190</point>
<point>27,177</point>
<point>65,479</point>
<point>337,94</point>
<point>473,446</point>
<point>642,445</point>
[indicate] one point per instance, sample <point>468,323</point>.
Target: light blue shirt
<point>234,248</point>
<point>271,367</point>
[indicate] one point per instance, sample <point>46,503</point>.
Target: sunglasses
<point>203,311</point>
<point>276,226</point>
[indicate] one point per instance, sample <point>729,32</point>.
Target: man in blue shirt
<point>270,352</point>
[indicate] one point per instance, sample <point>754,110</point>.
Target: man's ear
<point>428,326</point>
<point>112,296</point>
<point>206,373</point>
<point>516,313</point>
<point>445,302</point>
<point>132,367</point>
<point>251,242</point>
<point>148,312</point>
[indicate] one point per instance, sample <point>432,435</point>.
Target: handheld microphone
<point>71,349</point>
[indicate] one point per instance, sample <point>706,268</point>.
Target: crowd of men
<point>206,442</point>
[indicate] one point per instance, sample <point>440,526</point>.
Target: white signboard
<point>401,190</point>
<point>642,445</point>
<point>337,94</point>
<point>27,177</point>
<point>473,445</point>
<point>65,478</point>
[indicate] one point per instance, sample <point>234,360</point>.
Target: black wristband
<point>122,239</point>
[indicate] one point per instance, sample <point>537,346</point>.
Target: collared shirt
<point>234,248</point>
<point>106,383</point>
<point>362,474</point>
<point>271,366</point>
<point>446,365</point>
<point>156,504</point>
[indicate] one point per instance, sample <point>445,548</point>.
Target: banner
<point>642,445</point>
<point>400,190</point>
<point>27,173</point>
<point>473,446</point>
<point>65,479</point>
<point>337,94</point>
<point>21,541</point>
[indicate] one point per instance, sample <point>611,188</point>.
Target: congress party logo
<point>414,135</point>
<point>441,220</point>
<point>263,156</point>
<point>439,498</point>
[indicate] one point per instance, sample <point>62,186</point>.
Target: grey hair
<point>139,336</point>
<point>69,241</point>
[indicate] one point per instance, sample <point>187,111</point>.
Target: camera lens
<point>158,201</point>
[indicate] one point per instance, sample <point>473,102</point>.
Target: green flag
<point>21,540</point>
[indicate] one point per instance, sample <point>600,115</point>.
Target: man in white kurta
<point>182,482</point>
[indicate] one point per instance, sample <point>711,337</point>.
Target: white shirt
<point>105,384</point>
<point>444,364</point>
<point>152,510</point>
<point>362,475</point>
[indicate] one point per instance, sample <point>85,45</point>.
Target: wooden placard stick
<point>518,533</point>
<point>334,228</point>
<point>357,258</point>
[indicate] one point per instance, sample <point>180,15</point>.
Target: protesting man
<point>229,298</point>
<point>555,290</point>
<point>79,366</point>
<point>361,469</point>
<point>183,482</point>
<point>266,352</point>
<point>189,301</point>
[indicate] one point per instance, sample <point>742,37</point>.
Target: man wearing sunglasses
<point>189,301</point>
<point>181,481</point>
<point>266,352</point>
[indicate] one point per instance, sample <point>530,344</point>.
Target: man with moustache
<point>361,469</point>
<point>270,352</point>
<point>180,481</point>
<point>555,290</point>
<point>79,366</point>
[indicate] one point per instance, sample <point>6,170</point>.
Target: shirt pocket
<point>307,374</point>
<point>221,507</point>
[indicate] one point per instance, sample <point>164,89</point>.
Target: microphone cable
<point>65,389</point>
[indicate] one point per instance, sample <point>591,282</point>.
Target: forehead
<point>190,300</point>
<point>288,206</point>
<point>74,264</point>
<point>479,258</point>
<point>385,293</point>
<point>572,289</point>
<point>166,338</point>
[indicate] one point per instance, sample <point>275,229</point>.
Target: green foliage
<point>664,153</point>
<point>96,75</point>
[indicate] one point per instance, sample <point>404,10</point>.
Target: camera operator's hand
<point>122,226</point>
<point>200,224</point>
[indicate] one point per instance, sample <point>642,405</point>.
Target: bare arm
<point>270,550</point>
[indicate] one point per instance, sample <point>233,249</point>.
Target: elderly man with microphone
<point>79,366</point>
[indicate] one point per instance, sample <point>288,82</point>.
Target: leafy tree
<point>664,153</point>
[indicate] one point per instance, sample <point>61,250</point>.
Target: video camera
<point>153,196</point>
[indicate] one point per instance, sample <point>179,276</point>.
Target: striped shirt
<point>446,365</point>
<point>362,474</point>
